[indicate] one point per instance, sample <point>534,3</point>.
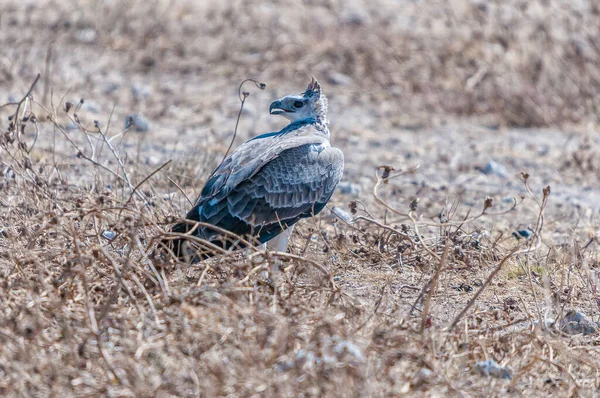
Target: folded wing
<point>264,199</point>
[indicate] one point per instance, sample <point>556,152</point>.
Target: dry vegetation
<point>420,279</point>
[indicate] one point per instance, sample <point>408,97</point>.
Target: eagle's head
<point>311,103</point>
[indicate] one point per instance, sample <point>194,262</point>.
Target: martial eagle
<point>269,182</point>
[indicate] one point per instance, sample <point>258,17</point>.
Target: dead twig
<point>485,284</point>
<point>242,96</point>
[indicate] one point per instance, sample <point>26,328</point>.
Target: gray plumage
<point>270,182</point>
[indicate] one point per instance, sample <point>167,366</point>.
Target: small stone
<point>91,106</point>
<point>71,126</point>
<point>109,88</point>
<point>354,16</point>
<point>576,323</point>
<point>547,324</point>
<point>168,196</point>
<point>8,173</point>
<point>109,235</point>
<point>137,122</point>
<point>348,188</point>
<point>147,62</point>
<point>343,214</point>
<point>554,381</point>
<point>153,160</point>
<point>463,287</point>
<point>348,347</point>
<point>140,91</point>
<point>86,35</point>
<point>284,366</point>
<point>494,168</point>
<point>422,376</point>
<point>523,234</point>
<point>490,368</point>
<point>480,235</point>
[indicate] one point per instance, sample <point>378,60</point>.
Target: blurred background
<point>514,63</point>
<point>446,83</point>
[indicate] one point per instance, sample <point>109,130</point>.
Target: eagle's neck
<point>321,111</point>
<point>322,127</point>
<point>320,116</point>
<point>319,125</point>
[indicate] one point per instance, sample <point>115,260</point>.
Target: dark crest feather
<point>313,88</point>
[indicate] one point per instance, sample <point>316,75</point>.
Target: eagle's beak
<point>277,108</point>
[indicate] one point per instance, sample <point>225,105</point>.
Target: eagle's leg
<point>277,244</point>
<point>280,242</point>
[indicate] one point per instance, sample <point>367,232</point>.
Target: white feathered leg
<point>280,242</point>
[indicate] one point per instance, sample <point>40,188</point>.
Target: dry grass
<point>391,303</point>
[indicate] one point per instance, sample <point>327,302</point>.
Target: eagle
<point>269,183</point>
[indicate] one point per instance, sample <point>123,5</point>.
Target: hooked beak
<point>277,108</point>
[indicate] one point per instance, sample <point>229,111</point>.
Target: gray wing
<point>251,156</point>
<point>295,184</point>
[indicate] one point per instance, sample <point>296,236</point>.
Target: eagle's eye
<point>298,104</point>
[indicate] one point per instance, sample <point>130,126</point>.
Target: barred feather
<point>269,183</point>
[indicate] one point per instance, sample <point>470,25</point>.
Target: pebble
<point>343,214</point>
<point>109,88</point>
<point>576,323</point>
<point>346,346</point>
<point>71,126</point>
<point>90,106</point>
<point>8,173</point>
<point>422,376</point>
<point>523,234</point>
<point>348,188</point>
<point>547,325</point>
<point>168,196</point>
<point>491,368</point>
<point>494,168</point>
<point>140,91</point>
<point>354,16</point>
<point>153,160</point>
<point>137,122</point>
<point>110,235</point>
<point>463,287</point>
<point>86,35</point>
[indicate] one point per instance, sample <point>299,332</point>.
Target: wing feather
<point>270,183</point>
<point>290,185</point>
<point>252,155</point>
